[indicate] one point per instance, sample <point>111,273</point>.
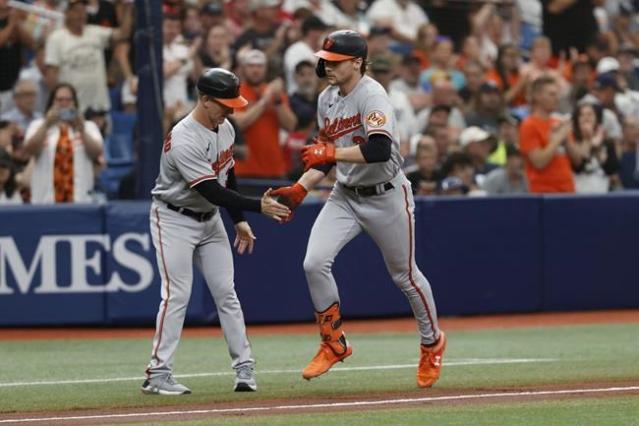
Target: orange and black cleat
<point>430,363</point>
<point>334,346</point>
<point>325,358</point>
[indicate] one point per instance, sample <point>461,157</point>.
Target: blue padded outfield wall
<point>95,265</point>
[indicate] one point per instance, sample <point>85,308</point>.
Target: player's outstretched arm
<point>229,199</point>
<point>292,196</point>
<point>272,208</point>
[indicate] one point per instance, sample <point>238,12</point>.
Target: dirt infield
<point>356,326</point>
<point>431,398</point>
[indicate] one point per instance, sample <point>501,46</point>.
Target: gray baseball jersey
<point>192,154</point>
<point>350,119</point>
<point>388,216</point>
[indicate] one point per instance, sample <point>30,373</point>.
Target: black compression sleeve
<point>377,148</point>
<point>324,168</point>
<point>235,213</point>
<point>220,196</point>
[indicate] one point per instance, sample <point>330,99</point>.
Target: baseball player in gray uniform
<point>196,178</point>
<point>359,135</point>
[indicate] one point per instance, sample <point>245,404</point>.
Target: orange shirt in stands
<point>264,156</point>
<point>557,176</point>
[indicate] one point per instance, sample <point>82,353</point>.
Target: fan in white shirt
<point>303,50</point>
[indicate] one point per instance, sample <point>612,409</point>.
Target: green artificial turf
<point>577,353</point>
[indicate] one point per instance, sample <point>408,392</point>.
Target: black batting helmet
<point>341,46</point>
<point>223,86</point>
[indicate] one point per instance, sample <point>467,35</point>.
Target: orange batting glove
<point>318,153</point>
<point>291,197</point>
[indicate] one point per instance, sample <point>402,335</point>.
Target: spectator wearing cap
<point>508,75</point>
<point>544,142</point>
<point>424,178</point>
<point>629,163</point>
<point>599,161</point>
<point>603,93</point>
<point>489,108</point>
<point>8,189</point>
<point>260,121</point>
<point>626,100</point>
<point>303,49</point>
<point>178,63</point>
<point>478,144</point>
<point>408,82</point>
<point>509,179</point>
<point>381,68</point>
<point>76,53</point>
<point>64,147</point>
<point>265,32</point>
<point>403,17</point>
<point>25,95</point>
<point>441,63</point>
<point>344,14</point>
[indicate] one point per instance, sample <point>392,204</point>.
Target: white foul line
<point>473,361</point>
<point>330,405</point>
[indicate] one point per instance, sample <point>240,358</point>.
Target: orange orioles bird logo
<point>328,43</point>
<point>376,119</point>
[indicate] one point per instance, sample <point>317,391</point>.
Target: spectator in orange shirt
<point>545,144</point>
<point>260,121</point>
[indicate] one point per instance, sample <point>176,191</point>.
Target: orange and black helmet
<point>223,86</point>
<point>341,46</point>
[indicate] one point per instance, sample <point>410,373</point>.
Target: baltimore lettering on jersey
<point>342,126</point>
<point>222,160</point>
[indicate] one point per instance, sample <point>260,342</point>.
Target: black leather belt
<point>368,191</point>
<point>200,217</point>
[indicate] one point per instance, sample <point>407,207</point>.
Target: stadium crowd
<point>492,97</point>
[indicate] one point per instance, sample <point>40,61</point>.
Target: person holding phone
<point>64,147</point>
